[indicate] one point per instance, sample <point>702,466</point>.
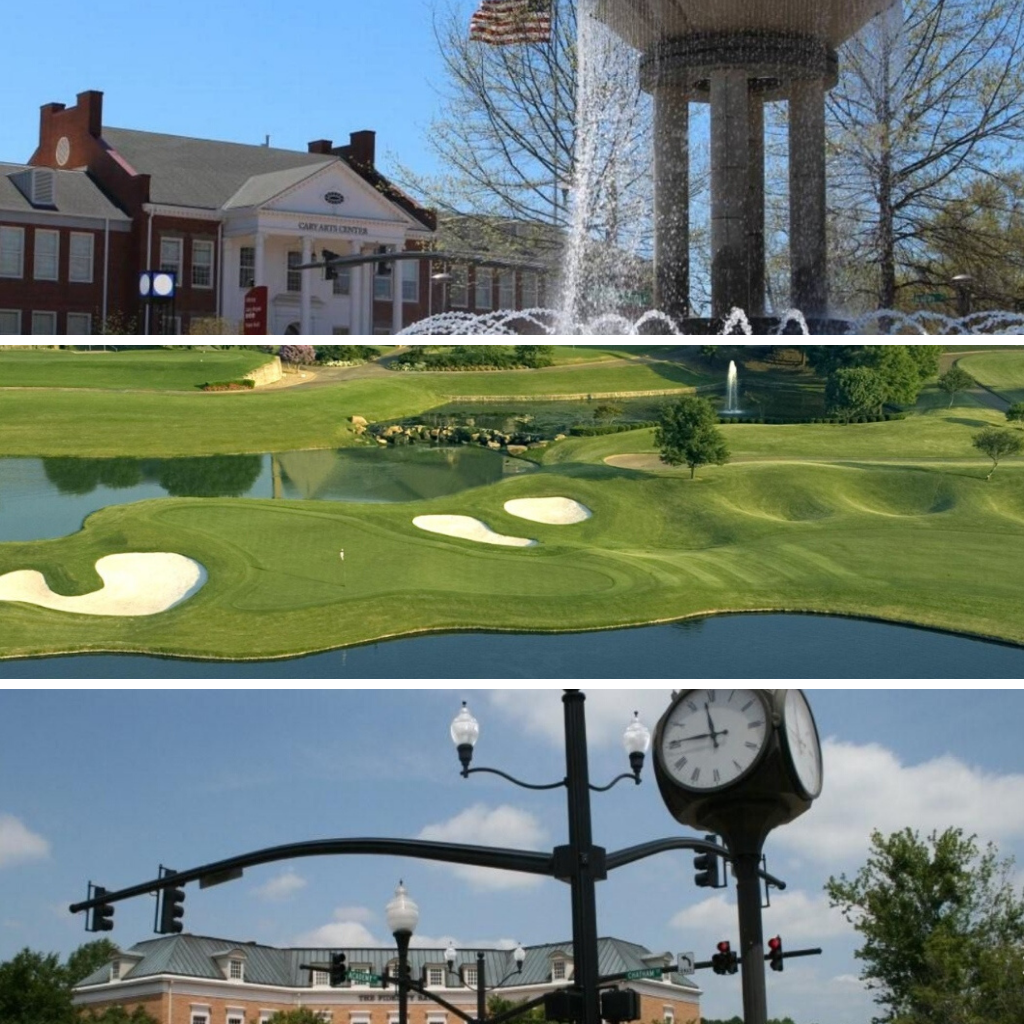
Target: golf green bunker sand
<point>550,511</point>
<point>134,583</point>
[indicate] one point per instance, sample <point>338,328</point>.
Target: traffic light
<point>725,961</point>
<point>172,910</point>
<point>619,1005</point>
<point>775,956</point>
<point>330,271</point>
<point>707,867</point>
<point>339,970</point>
<point>102,919</point>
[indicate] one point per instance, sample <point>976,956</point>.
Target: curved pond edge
<point>454,631</point>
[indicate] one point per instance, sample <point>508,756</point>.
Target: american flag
<point>507,22</point>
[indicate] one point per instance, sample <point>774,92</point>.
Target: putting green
<point>935,546</point>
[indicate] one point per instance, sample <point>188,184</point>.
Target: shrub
<point>298,355</point>
<point>229,385</point>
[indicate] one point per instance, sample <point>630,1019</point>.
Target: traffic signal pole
<point>748,899</point>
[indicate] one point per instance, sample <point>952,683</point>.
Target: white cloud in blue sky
<point>281,887</point>
<point>18,843</point>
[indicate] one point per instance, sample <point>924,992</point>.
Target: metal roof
<point>194,956</point>
<point>75,195</point>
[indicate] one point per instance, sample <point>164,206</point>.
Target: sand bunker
<point>552,511</point>
<point>467,528</point>
<point>141,583</point>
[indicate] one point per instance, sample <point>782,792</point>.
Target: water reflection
<point>213,476</point>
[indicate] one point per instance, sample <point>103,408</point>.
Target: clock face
<point>712,738</point>
<point>802,742</point>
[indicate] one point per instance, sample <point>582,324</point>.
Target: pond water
<point>42,498</point>
<point>726,647</point>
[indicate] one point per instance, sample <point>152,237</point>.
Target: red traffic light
<point>775,954</point>
<point>775,943</point>
<point>724,947</point>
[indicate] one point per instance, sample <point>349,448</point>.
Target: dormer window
<point>435,977</point>
<point>558,972</point>
<point>236,970</point>
<point>469,977</point>
<point>231,963</point>
<point>321,979</point>
<point>115,971</point>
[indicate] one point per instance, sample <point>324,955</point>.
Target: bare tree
<point>930,99</point>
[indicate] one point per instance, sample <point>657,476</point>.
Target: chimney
<point>362,148</point>
<point>92,103</point>
<point>322,146</point>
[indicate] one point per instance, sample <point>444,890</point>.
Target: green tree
<point>688,433</point>
<point>1015,414</point>
<point>88,958</point>
<point>302,1015</point>
<point>955,380</point>
<point>854,391</point>
<point>997,445</point>
<point>116,1015</point>
<point>936,916</point>
<point>34,990</point>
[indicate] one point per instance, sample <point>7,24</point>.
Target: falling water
<point>732,398</point>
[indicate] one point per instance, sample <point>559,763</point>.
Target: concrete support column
<point>396,297</point>
<point>672,200</point>
<point>260,261</point>
<point>730,176</point>
<point>306,292</point>
<point>755,207</point>
<point>807,251</point>
<point>355,299</point>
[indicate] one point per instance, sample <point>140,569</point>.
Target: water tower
<point>735,55</point>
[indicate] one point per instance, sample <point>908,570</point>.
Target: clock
<point>711,739</point>
<point>801,743</point>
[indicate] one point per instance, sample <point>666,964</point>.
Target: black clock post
<point>740,763</point>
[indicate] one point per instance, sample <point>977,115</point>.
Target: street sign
<point>254,320</point>
<point>685,963</point>
<point>649,972</point>
<point>365,977</point>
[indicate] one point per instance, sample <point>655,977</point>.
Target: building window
<point>12,252</point>
<point>668,1015</point>
<point>410,281</point>
<point>47,257</point>
<point>10,321</point>
<point>469,977</point>
<point>235,1017</point>
<point>483,293</point>
<point>435,977</point>
<point>294,276</point>
<point>246,266</point>
<point>321,979</point>
<point>202,264</point>
<point>531,291</point>
<point>342,284</point>
<point>459,287</point>
<point>507,289</point>
<point>200,1016</point>
<point>80,248</point>
<point>382,275</point>
<point>236,970</point>
<point>170,256</point>
<point>558,971</point>
<point>115,970</point>
<point>325,1015</point>
<point>44,323</point>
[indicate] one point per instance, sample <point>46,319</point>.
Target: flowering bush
<point>298,355</point>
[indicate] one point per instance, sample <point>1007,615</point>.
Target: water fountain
<point>732,398</point>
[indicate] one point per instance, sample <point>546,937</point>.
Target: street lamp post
<point>580,863</point>
<point>402,916</point>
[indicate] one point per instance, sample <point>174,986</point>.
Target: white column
<point>306,293</point>
<point>355,299</point>
<point>396,296</point>
<point>672,200</point>
<point>260,267</point>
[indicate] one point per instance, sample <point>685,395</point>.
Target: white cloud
<point>18,843</point>
<point>608,712</point>
<point>282,887</point>
<point>503,826</point>
<point>868,787</point>
<point>351,934</point>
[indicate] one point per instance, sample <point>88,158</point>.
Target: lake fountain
<point>732,398</point>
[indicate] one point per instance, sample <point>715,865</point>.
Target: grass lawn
<point>158,369</point>
<point>935,546</point>
<point>1002,372</point>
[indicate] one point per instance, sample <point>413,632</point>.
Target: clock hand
<point>711,726</point>
<point>702,736</point>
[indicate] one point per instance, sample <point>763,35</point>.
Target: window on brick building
<point>321,979</point>
<point>469,977</point>
<point>483,297</point>
<point>435,977</point>
<point>79,323</point>
<point>531,290</point>
<point>200,1016</point>
<point>171,256</point>
<point>294,276</point>
<point>342,284</point>
<point>10,321</point>
<point>202,264</point>
<point>115,967</point>
<point>234,1018</point>
<point>668,1015</point>
<point>44,323</point>
<point>236,970</point>
<point>507,289</point>
<point>80,248</point>
<point>46,263</point>
<point>410,280</point>
<point>458,292</point>
<point>12,252</point>
<point>382,274</point>
<point>246,266</point>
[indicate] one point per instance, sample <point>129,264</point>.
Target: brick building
<point>191,979</point>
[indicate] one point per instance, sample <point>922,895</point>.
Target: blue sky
<point>107,784</point>
<point>230,71</point>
